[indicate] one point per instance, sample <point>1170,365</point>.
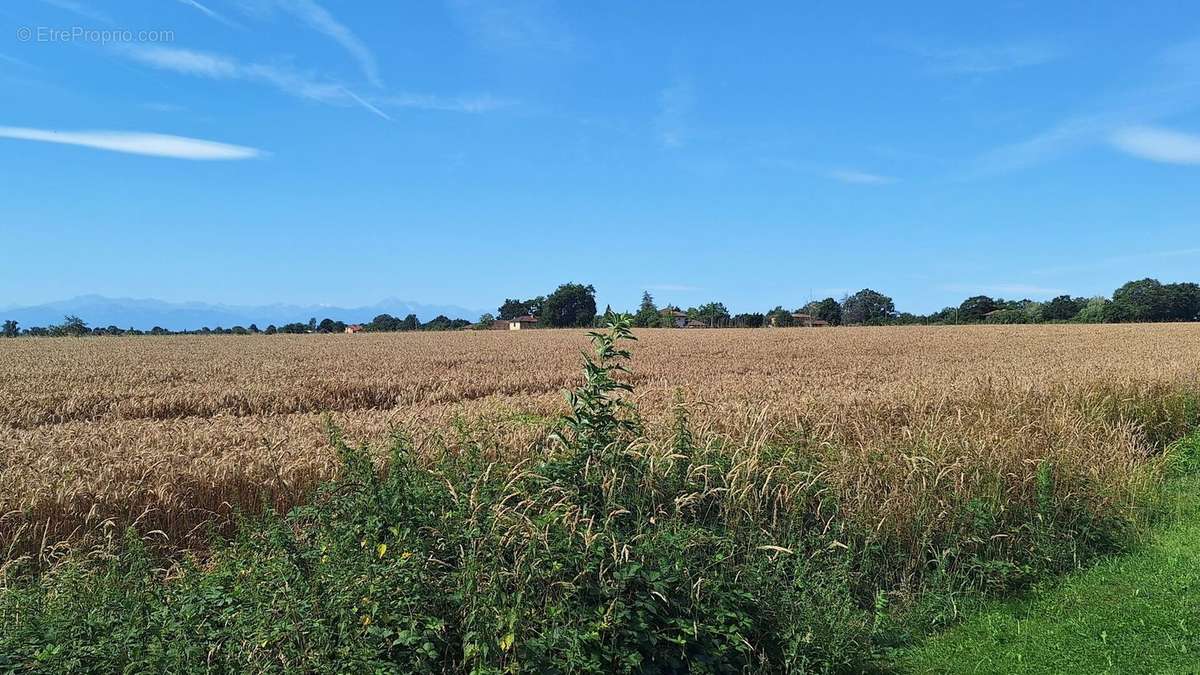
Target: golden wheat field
<point>176,433</point>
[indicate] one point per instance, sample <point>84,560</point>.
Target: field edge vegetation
<point>1130,613</point>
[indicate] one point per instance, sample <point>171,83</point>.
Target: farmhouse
<point>354,328</point>
<point>678,319</point>
<point>692,323</point>
<point>516,323</point>
<point>801,319</point>
<point>807,320</point>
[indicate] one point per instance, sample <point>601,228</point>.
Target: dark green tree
<point>1063,308</point>
<point>1183,302</point>
<point>1142,300</point>
<point>868,307</point>
<point>1008,316</point>
<point>712,313</point>
<point>571,305</point>
<point>828,310</point>
<point>72,326</point>
<point>975,309</point>
<point>946,315</point>
<point>647,314</point>
<point>779,317</point>
<point>755,320</point>
<point>439,322</point>
<point>11,329</point>
<point>513,308</point>
<point>384,323</point>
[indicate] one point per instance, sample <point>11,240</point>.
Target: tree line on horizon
<point>1145,300</point>
<point>573,305</point>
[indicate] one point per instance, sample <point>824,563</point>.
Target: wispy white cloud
<point>186,61</point>
<point>984,59</point>
<point>1026,290</point>
<point>219,67</point>
<point>81,9</point>
<point>367,104</point>
<point>859,177</point>
<point>299,84</point>
<point>1158,145</point>
<point>320,20</point>
<point>463,104</point>
<point>675,104</point>
<point>15,61</point>
<point>194,4</point>
<point>1171,88</point>
<point>136,143</point>
<point>1062,138</point>
<point>513,24</point>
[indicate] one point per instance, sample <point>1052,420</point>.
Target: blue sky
<point>307,151</point>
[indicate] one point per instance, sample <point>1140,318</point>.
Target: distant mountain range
<point>144,313</point>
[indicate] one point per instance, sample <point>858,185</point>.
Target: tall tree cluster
<point>571,305</point>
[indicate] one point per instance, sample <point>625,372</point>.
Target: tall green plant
<point>599,414</point>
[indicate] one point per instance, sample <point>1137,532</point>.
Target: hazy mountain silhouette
<point>146,313</point>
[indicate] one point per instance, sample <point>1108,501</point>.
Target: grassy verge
<point>1135,613</point>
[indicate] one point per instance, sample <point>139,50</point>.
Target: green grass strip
<point>1135,613</point>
